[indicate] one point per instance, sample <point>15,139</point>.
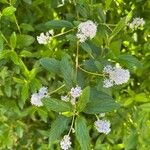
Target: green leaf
<point>24,40</point>
<point>25,92</point>
<point>86,47</point>
<point>95,107</point>
<point>13,40</point>
<point>67,71</point>
<point>81,133</point>
<point>50,64</point>
<point>84,99</point>
<point>8,11</point>
<point>1,43</point>
<point>57,128</point>
<point>58,24</point>
<point>145,107</point>
<point>129,61</point>
<point>121,24</point>
<point>57,105</point>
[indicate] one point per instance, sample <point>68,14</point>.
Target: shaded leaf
<point>84,99</point>
<point>81,133</point>
<point>57,105</point>
<point>57,128</point>
<point>50,64</point>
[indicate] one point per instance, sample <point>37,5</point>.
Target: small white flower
<point>45,38</point>
<point>76,92</point>
<point>102,126</point>
<point>37,97</point>
<point>65,142</point>
<point>136,23</point>
<point>65,98</point>
<point>117,76</point>
<point>102,114</point>
<point>86,30</point>
<point>108,83</point>
<point>36,100</point>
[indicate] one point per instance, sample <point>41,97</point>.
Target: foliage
<point>63,63</point>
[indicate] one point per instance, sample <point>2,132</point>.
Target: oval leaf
<point>81,133</point>
<point>57,105</point>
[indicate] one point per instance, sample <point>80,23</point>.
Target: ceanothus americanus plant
<point>77,100</point>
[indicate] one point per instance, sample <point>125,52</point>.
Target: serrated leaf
<point>51,64</point>
<point>24,40</point>
<point>129,61</point>
<point>57,128</point>
<point>58,24</point>
<point>56,105</point>
<point>67,71</point>
<point>85,46</point>
<point>25,92</point>
<point>121,24</point>
<point>96,107</point>
<point>8,11</point>
<point>81,133</point>
<point>84,99</point>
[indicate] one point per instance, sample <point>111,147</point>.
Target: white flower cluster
<point>65,98</point>
<point>45,38</point>
<point>136,23</point>
<point>117,76</point>
<point>36,97</point>
<point>103,126</point>
<point>75,93</point>
<point>65,142</point>
<point>86,30</point>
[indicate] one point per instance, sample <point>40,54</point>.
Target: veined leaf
<point>81,133</point>
<point>122,23</point>
<point>51,64</point>
<point>57,105</point>
<point>8,11</point>
<point>58,24</point>
<point>67,71</point>
<point>57,128</point>
<point>129,61</point>
<point>95,107</point>
<point>84,99</point>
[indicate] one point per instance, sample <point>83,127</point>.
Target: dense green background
<point>23,126</point>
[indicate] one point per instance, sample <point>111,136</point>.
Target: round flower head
<point>36,100</point>
<point>136,23</point>
<point>65,142</point>
<point>43,92</point>
<point>76,92</point>
<point>120,76</point>
<point>116,75</point>
<point>86,30</point>
<point>37,97</point>
<point>102,126</point>
<point>45,38</point>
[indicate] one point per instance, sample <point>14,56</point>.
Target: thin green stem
<point>97,117</point>
<point>4,37</point>
<point>57,89</point>
<point>60,34</point>
<point>17,24</point>
<point>72,123</point>
<point>92,73</point>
